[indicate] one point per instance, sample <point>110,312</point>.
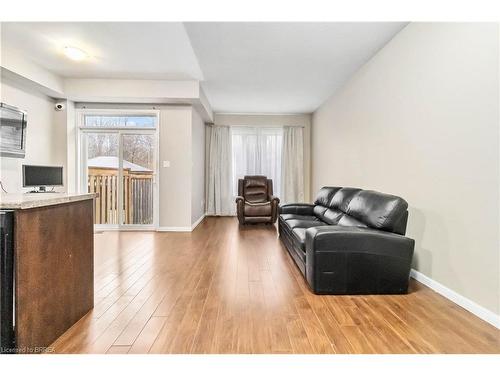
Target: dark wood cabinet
<point>54,271</point>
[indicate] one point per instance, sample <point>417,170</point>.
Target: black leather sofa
<point>350,241</point>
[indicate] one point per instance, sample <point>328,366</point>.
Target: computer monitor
<point>42,176</point>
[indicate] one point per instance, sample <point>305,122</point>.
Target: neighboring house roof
<point>111,162</point>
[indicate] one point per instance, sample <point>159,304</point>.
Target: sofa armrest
<point>351,260</point>
<point>297,209</point>
<point>337,238</point>
<point>275,201</point>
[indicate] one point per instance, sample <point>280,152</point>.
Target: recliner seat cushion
<point>257,209</point>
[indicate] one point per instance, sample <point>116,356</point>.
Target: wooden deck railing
<point>137,204</point>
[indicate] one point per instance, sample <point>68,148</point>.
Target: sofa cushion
<point>377,210</point>
<point>349,221</point>
<point>257,209</point>
<point>300,235</point>
<point>328,215</point>
<point>293,223</point>
<point>297,217</point>
<point>319,211</point>
<point>325,195</point>
<point>340,200</point>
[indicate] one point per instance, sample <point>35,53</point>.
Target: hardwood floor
<point>220,289</point>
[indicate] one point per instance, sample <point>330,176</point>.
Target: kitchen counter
<point>34,200</point>
<point>53,267</point>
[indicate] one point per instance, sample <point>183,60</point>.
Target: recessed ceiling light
<point>75,54</point>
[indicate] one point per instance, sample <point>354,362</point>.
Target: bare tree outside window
<point>136,149</point>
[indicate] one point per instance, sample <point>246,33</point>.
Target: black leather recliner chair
<point>350,241</point>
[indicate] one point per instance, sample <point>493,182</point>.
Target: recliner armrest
<point>297,209</point>
<point>240,198</point>
<point>274,198</point>
<point>336,238</point>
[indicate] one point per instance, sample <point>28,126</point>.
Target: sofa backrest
<point>361,208</point>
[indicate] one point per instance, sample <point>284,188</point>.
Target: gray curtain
<point>292,170</point>
<point>220,199</point>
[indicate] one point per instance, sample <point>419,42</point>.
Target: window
<point>257,151</point>
<point>119,121</point>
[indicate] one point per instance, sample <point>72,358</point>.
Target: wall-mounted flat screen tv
<point>13,123</point>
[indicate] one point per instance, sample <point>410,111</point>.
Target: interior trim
<point>174,229</point>
<point>195,224</point>
<point>471,306</point>
<point>182,229</point>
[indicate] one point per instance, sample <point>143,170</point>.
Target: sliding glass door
<point>138,166</point>
<point>118,162</point>
<point>101,167</point>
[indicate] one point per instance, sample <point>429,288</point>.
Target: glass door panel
<point>102,162</point>
<point>138,173</point>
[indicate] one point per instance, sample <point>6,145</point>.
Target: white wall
<point>45,139</point>
<point>175,181</point>
<point>198,167</point>
<point>69,116</point>
<point>276,120</point>
<point>421,120</point>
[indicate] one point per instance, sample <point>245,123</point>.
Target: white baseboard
<point>126,229</point>
<point>182,229</point>
<point>471,306</point>
<point>195,224</point>
<point>173,229</point>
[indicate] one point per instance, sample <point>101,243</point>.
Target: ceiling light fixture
<point>75,54</point>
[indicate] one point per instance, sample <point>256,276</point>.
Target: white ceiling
<point>281,67</point>
<point>244,67</point>
<point>134,50</point>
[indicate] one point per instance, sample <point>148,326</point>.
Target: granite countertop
<point>33,200</point>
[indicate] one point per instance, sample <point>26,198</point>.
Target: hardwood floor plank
<point>224,288</point>
<point>298,336</point>
<point>166,340</point>
<point>358,341</point>
<point>118,350</point>
<point>148,335</point>
<point>317,337</point>
<point>137,323</point>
